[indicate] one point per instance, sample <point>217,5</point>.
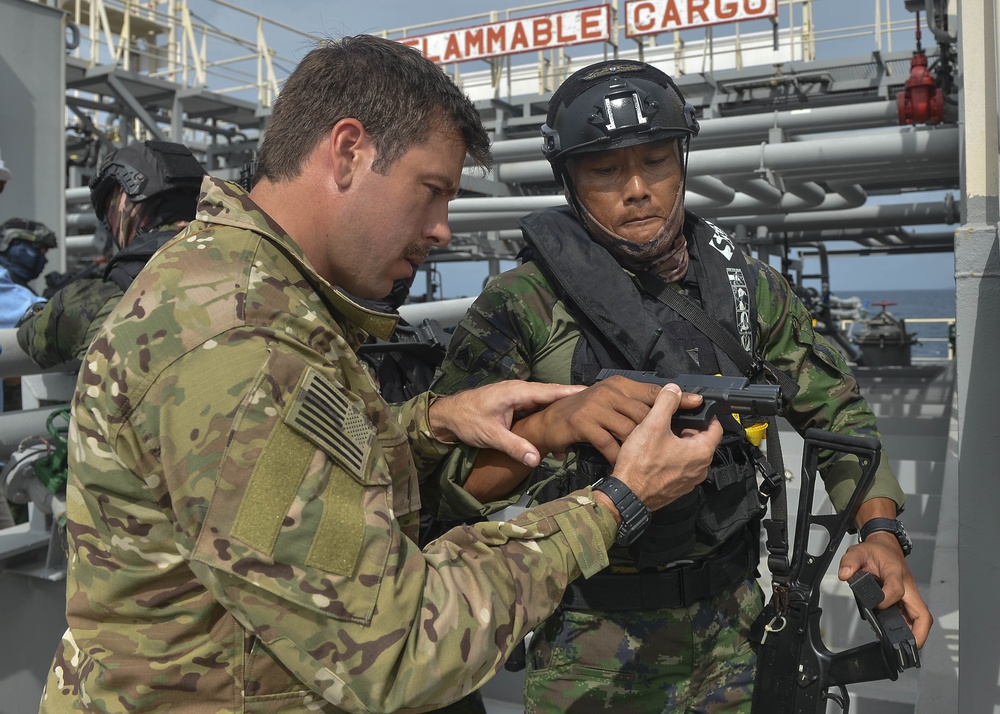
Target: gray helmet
<point>610,105</point>
<point>32,232</point>
<point>146,169</point>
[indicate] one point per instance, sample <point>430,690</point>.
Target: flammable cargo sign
<point>526,34</point>
<point>649,17</point>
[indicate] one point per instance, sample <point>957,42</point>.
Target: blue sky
<point>337,17</point>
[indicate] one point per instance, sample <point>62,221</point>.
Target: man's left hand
<point>482,417</point>
<point>882,556</point>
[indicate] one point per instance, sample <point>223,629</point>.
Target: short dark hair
<point>395,92</point>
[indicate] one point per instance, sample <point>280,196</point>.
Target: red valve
<point>920,102</point>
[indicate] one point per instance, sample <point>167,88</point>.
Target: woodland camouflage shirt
<point>518,328</point>
<point>243,505</point>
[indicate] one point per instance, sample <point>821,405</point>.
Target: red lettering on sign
<point>697,6</point>
<point>520,37</point>
<point>645,23</point>
<point>560,37</point>
<point>542,28</point>
<point>592,24</point>
<point>474,42</point>
<point>754,8</point>
<point>671,15</point>
<point>452,51</point>
<point>496,38</point>
<point>726,9</point>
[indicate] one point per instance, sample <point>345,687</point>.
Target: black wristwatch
<point>635,516</point>
<point>891,525</point>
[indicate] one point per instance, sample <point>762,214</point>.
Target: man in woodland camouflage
<point>143,194</point>
<point>243,505</point>
<point>665,629</point>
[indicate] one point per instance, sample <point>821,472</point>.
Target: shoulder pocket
<point>298,510</point>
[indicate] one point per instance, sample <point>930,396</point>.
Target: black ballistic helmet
<point>146,169</point>
<point>610,105</point>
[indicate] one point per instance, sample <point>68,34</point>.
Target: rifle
<point>795,669</point>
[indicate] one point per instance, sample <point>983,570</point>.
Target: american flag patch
<point>324,416</point>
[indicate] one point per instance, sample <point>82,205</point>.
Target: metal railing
<point>167,39</point>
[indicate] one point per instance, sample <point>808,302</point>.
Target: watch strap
<point>891,525</point>
<point>634,513</point>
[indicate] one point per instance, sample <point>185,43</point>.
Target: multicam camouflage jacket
<point>520,327</point>
<point>243,504</point>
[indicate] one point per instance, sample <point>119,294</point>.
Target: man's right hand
<point>603,415</point>
<point>659,465</point>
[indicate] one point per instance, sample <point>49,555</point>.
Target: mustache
<point>417,250</point>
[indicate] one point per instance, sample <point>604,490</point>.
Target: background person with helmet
<point>23,248</point>
<point>144,194</point>
<point>23,245</point>
<point>666,627</point>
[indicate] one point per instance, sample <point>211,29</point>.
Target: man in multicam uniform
<point>242,504</point>
<point>144,194</point>
<point>665,629</point>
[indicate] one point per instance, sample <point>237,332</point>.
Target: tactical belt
<point>679,586</point>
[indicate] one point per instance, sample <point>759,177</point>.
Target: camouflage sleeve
<point>427,450</point>
<point>289,524</point>
<point>496,340</point>
<point>829,397</point>
<point>62,330</point>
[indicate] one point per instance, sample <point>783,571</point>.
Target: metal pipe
<point>81,220</point>
<point>877,151</point>
<point>711,188</point>
<point>85,244</point>
<point>18,425</point>
<point>891,214</point>
<point>80,194</point>
<point>835,210</point>
<point>753,127</point>
<point>447,312</point>
<point>810,192</point>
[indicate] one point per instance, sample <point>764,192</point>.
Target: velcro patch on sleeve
<point>324,416</point>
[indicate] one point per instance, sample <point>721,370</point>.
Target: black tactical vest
<point>125,265</point>
<point>625,327</point>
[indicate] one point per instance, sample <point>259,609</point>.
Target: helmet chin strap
<point>665,254</point>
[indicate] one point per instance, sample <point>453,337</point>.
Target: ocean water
<point>913,305</point>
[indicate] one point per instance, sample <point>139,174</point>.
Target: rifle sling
<point>777,543</point>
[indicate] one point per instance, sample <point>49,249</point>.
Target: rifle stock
<point>795,668</point>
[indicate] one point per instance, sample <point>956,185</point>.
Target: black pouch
<point>670,534</point>
<point>728,497</point>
